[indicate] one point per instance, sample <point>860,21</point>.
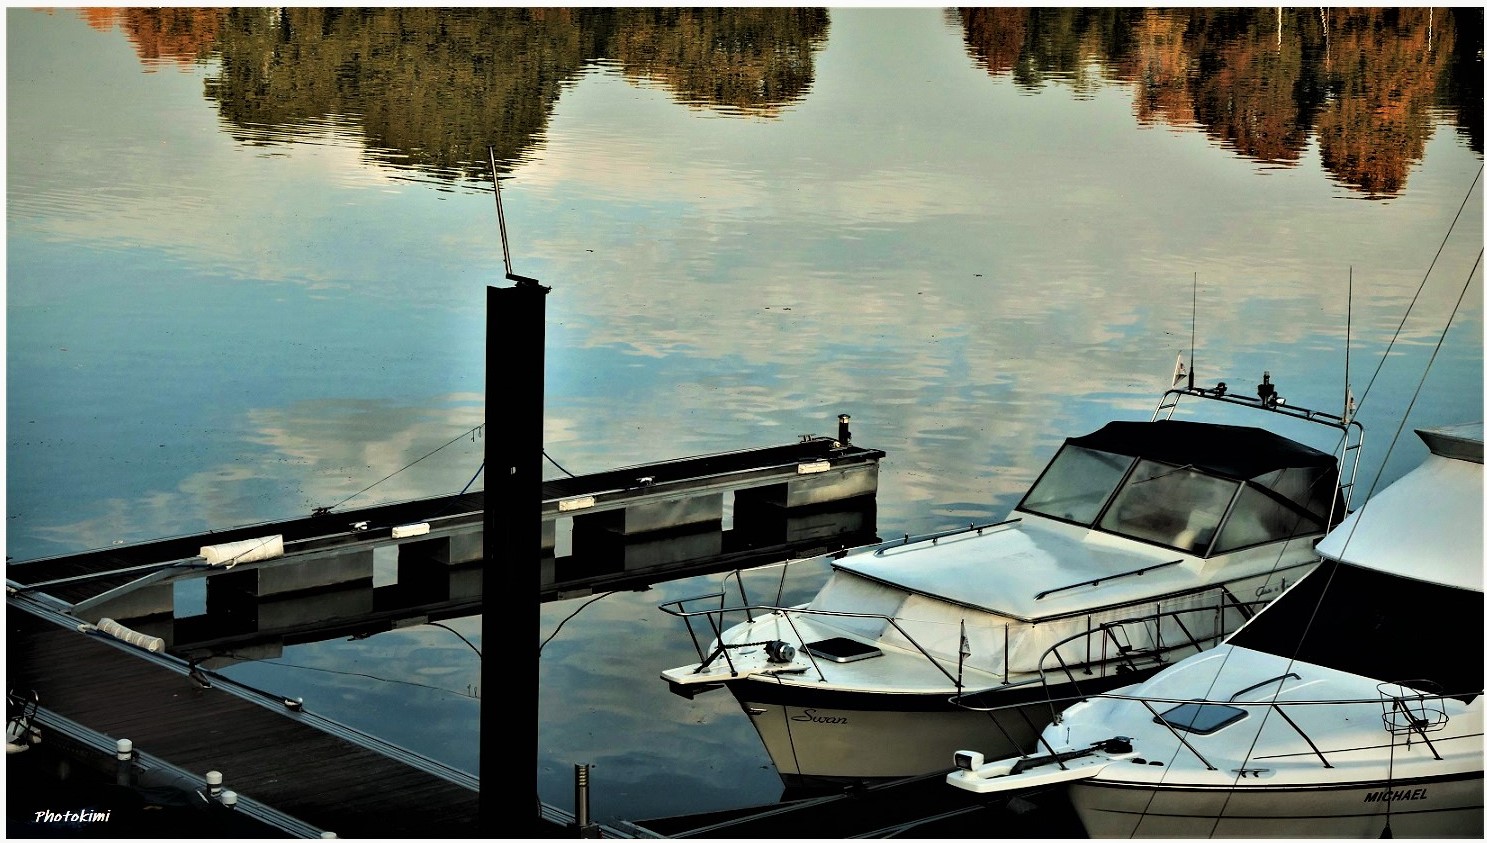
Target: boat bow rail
<point>1111,647</point>
<point>780,654</point>
<point>708,654</point>
<point>1406,712</point>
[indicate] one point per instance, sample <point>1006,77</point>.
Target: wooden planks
<point>276,757</point>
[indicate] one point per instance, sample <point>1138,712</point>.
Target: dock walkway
<point>155,687</point>
<point>304,766</point>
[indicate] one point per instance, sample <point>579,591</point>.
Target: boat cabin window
<point>1076,485</point>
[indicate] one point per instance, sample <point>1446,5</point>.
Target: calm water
<point>247,254</point>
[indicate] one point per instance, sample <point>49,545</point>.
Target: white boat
<point>1350,707</point>
<point>1159,536</point>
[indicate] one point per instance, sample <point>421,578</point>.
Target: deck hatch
<point>1201,718</point>
<point>842,650</point>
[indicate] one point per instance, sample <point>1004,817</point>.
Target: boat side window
<point>1076,484</point>
<point>1171,505</point>
<point>1310,488</point>
<point>1259,518</point>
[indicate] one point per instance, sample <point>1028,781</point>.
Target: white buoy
<point>230,798</point>
<point>214,783</point>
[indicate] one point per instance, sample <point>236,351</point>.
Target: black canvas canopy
<point>1240,453</point>
<point>1374,624</point>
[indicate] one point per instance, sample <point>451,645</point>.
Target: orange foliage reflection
<point>1266,83</point>
<point>174,35</point>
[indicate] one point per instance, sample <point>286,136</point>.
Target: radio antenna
<point>1347,348</point>
<point>500,215</point>
<point>1193,336</point>
<point>521,280</point>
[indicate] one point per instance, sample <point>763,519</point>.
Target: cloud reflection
<point>292,459</point>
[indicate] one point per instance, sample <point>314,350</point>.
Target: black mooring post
<point>512,578</point>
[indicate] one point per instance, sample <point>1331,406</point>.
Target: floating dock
<point>122,642</point>
<point>922,806</point>
<point>267,748</point>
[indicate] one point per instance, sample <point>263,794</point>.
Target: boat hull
<point>1418,807</point>
<point>820,738</point>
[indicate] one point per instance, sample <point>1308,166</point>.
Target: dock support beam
<point>514,370</point>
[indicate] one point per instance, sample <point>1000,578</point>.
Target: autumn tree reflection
<point>736,59</point>
<point>163,35</point>
<point>1383,69</point>
<point>430,89</point>
<point>1367,86</point>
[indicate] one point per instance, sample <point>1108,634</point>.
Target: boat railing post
<point>1089,653</point>
<point>1006,653</point>
<point>582,823</point>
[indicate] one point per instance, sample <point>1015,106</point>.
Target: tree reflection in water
<point>432,89</point>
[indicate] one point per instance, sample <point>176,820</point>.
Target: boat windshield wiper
<point>1163,474</point>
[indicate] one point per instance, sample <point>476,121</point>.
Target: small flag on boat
<point>1179,372</point>
<point>965,643</point>
<point>1351,408</point>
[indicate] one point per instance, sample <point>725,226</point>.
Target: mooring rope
<point>321,510</point>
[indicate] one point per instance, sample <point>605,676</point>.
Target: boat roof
<point>1026,573</point>
<point>1231,451</point>
<point>1427,525</point>
<point>1457,441</point>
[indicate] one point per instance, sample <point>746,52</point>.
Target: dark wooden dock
<point>916,807</point>
<point>627,527</point>
<point>315,770</point>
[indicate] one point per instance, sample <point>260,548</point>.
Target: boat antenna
<point>1193,335</point>
<point>1347,348</point>
<point>520,280</point>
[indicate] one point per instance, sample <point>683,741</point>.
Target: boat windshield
<point>1076,485</point>
<point>1170,505</point>
<point>1180,506</point>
